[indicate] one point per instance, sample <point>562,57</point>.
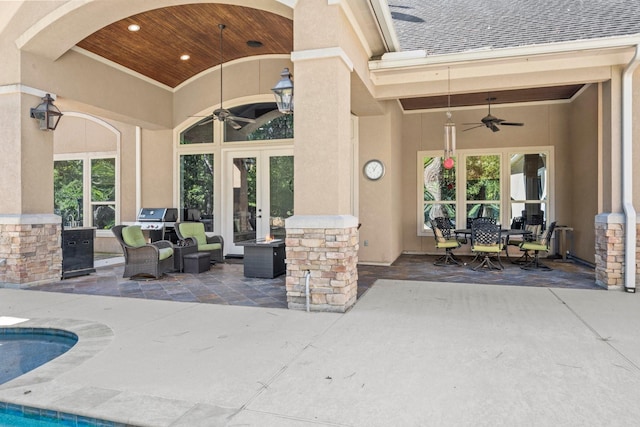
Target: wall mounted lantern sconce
<point>47,114</point>
<point>283,91</point>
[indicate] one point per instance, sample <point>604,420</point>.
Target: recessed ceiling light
<point>254,43</point>
<point>184,57</point>
<point>134,27</point>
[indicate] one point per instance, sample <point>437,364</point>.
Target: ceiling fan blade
<point>232,123</point>
<point>242,119</point>
<point>493,127</point>
<point>474,127</point>
<point>511,124</point>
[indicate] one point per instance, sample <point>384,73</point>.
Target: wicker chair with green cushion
<point>485,243</point>
<point>142,258</point>
<point>194,231</point>
<point>442,233</point>
<point>537,246</point>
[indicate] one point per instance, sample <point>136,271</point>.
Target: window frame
<point>87,202</point>
<point>461,202</point>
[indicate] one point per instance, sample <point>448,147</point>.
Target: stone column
<point>322,236</point>
<point>30,234</point>
<point>325,249</point>
<point>610,251</point>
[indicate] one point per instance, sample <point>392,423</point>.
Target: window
<point>475,186</point>
<point>86,183</point>
<point>482,186</point>
<point>529,178</point>
<point>196,188</point>
<point>199,133</point>
<point>438,190</point>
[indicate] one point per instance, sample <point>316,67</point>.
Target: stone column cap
<point>30,219</point>
<point>321,221</point>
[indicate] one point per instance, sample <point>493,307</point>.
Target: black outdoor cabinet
<point>77,251</point>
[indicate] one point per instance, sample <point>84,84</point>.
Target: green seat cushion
<point>448,244</point>
<point>133,236</point>
<point>533,246</point>
<point>209,246</point>
<point>165,253</point>
<point>195,230</point>
<point>487,248</point>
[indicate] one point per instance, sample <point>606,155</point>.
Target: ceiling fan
<point>221,113</point>
<point>492,122</point>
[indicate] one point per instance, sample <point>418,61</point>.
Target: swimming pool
<point>25,416</point>
<point>24,349</point>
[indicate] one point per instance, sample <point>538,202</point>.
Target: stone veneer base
<point>30,249</point>
<point>610,250</point>
<point>326,248</point>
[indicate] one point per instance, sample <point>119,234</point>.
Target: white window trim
<point>505,184</point>
<point>98,154</point>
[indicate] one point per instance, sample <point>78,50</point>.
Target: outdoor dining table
<point>505,233</point>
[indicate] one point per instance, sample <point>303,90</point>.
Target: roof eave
<point>413,58</point>
<point>385,23</point>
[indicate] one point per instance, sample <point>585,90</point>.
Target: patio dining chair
<point>534,227</point>
<point>442,233</point>
<point>537,246</point>
<point>486,243</point>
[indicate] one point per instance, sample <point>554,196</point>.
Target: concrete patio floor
<point>411,353</point>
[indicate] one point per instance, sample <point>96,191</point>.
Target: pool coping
<point>93,337</point>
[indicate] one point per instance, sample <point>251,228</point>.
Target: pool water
<point>17,420</point>
<point>22,350</point>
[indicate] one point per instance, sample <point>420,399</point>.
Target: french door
<point>258,194</point>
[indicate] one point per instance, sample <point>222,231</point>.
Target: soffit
<point>192,29</point>
<point>565,92</point>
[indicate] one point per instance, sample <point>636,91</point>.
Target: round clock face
<point>374,169</point>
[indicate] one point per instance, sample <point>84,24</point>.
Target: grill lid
<point>158,214</point>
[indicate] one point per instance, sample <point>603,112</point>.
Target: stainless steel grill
<point>159,222</point>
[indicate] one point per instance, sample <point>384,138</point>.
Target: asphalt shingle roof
<point>451,26</point>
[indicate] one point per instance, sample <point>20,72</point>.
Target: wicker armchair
<point>142,258</point>
<point>194,232</point>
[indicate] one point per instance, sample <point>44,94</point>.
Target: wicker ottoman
<point>197,263</point>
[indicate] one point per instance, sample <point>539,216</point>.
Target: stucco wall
<point>381,204</point>
<point>583,164</point>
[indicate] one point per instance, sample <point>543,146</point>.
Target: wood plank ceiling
<point>168,33</point>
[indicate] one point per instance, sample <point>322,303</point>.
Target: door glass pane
<point>103,193</point>
<point>483,186</point>
<point>67,193</point>
<point>196,188</point>
<point>281,194</point>
<point>244,198</point>
<point>528,184</point>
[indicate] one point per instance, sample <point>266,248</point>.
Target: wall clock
<point>374,169</point>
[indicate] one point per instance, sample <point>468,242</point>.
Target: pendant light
<point>449,130</point>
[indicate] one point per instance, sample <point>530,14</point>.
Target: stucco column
<point>30,250</point>
<point>322,236</point>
